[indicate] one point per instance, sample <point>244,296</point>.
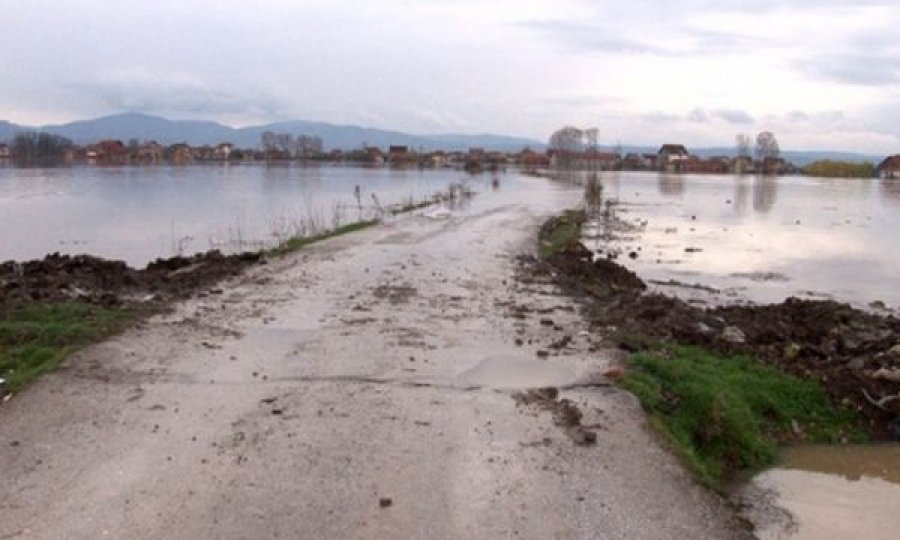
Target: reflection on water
<point>736,235</point>
<point>741,194</point>
<point>140,213</point>
<point>890,191</point>
<point>671,185</point>
<point>765,193</point>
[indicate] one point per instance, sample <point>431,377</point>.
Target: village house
<point>890,167</point>
<point>110,152</point>
<point>222,152</point>
<point>671,157</point>
<point>651,161</point>
<point>634,162</point>
<point>150,152</point>
<point>530,158</point>
<point>694,164</point>
<point>398,154</point>
<point>373,154</point>
<point>180,154</point>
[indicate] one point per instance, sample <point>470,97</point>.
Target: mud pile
<point>84,277</point>
<point>855,354</point>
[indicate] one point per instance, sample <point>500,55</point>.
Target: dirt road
<point>361,388</point>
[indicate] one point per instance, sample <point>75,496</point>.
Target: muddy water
<point>138,214</point>
<point>833,492</point>
<point>751,239</point>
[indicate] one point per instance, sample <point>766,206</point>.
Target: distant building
<point>671,157</point>
<point>373,154</point>
<point>890,167</point>
<point>398,154</point>
<point>223,151</point>
<point>111,152</point>
<point>180,154</point>
<point>4,151</point>
<point>150,152</point>
<point>530,158</point>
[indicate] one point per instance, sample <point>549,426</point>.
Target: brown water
<point>852,462</point>
<point>824,492</point>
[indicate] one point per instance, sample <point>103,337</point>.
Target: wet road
<point>359,389</point>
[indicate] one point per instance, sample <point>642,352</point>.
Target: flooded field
<point>139,214</point>
<point>729,239</point>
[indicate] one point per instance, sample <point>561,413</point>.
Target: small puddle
<point>513,372</point>
<point>835,492</point>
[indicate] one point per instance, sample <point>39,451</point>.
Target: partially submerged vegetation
<point>840,169</point>
<point>298,242</point>
<point>727,413</point>
<point>560,233</point>
<point>36,337</point>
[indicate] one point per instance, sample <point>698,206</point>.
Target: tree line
<point>35,149</point>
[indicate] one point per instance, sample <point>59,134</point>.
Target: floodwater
<point>140,213</point>
<point>834,492</point>
<point>759,239</point>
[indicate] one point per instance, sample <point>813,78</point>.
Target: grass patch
<point>36,337</point>
<point>727,414</point>
<point>560,232</point>
<point>299,242</point>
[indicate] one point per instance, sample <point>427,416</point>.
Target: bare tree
<point>568,140</point>
<point>269,144</point>
<point>591,135</point>
<point>742,144</point>
<point>767,150</point>
<point>767,146</point>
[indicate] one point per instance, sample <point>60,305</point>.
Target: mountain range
<point>146,127</point>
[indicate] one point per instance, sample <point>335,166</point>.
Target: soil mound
<point>84,277</point>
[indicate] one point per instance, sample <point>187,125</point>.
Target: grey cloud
<point>862,69</point>
<point>698,116</point>
<point>176,94</point>
<point>734,116</point>
<point>731,116</point>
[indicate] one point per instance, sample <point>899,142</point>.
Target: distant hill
<point>146,127</point>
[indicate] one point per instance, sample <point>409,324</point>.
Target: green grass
<point>36,337</point>
<point>560,232</point>
<point>725,415</point>
<point>299,242</point>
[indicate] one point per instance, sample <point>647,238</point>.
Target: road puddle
<point>514,372</point>
<point>833,492</point>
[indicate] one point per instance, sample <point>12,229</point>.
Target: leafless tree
<point>767,150</point>
<point>742,144</point>
<point>766,146</point>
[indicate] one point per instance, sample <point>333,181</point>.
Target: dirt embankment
<point>84,277</point>
<point>855,354</point>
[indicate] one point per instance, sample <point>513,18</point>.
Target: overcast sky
<point>821,74</point>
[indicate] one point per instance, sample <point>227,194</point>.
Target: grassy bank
<point>36,337</point>
<point>298,242</point>
<point>561,232</point>
<point>725,414</point>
